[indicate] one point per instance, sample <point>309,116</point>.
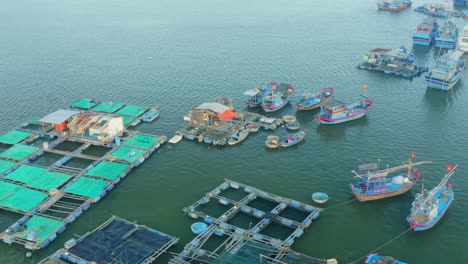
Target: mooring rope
<point>388,242</point>
<point>341,204</point>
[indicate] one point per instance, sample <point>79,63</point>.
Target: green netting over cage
<point>38,229</point>
<point>6,165</point>
<point>49,180</point>
<point>127,120</point>
<point>126,154</point>
<point>87,187</point>
<point>108,107</point>
<point>132,110</point>
<point>84,104</point>
<point>7,189</point>
<point>14,137</point>
<point>107,170</point>
<point>249,253</point>
<point>141,141</point>
<point>25,173</point>
<point>23,199</point>
<point>35,121</point>
<point>18,152</point>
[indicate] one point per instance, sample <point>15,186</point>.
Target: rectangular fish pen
<point>251,244</point>
<point>115,241</point>
<point>53,183</point>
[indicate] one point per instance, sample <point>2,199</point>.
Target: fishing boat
<point>462,44</point>
<point>238,137</point>
<point>426,32</point>
<point>272,142</point>
<point>255,96</point>
<point>437,10</point>
<point>374,184</point>
<point>293,139</point>
<point>151,115</point>
<point>292,126</point>
<point>338,112</point>
<point>278,97</point>
<point>448,35</point>
<point>393,5</point>
<point>447,71</point>
<point>310,102</point>
<point>320,197</point>
<point>429,207</point>
<point>379,259</point>
<point>176,139</point>
<point>252,127</point>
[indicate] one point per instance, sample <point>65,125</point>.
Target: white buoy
<point>28,254</point>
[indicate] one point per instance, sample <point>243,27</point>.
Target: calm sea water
<point>178,54</point>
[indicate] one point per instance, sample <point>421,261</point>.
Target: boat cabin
<point>272,99</point>
<point>254,95</point>
<point>334,107</point>
<point>448,65</point>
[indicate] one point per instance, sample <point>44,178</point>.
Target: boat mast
<point>441,184</point>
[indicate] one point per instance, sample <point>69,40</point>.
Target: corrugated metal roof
<point>59,116</point>
<point>91,120</point>
<point>215,107</point>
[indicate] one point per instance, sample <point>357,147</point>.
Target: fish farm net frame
<point>53,191</point>
<point>243,244</point>
<point>116,241</point>
<point>132,110</point>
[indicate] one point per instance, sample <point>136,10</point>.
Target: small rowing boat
<point>293,139</point>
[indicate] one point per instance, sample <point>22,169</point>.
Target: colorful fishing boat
<point>448,35</point>
<point>373,183</point>
<point>255,96</point>
<point>379,259</point>
<point>437,10</point>
<point>278,97</point>
<point>394,5</point>
<point>310,101</point>
<point>429,207</point>
<point>338,112</point>
<point>426,32</point>
<point>447,71</point>
<point>293,139</point>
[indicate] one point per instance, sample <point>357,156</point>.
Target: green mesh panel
<point>108,170</point>
<point>108,107</point>
<point>6,165</point>
<point>88,187</point>
<point>84,104</point>
<point>126,154</point>
<point>25,173</point>
<point>49,180</point>
<point>24,200</point>
<point>132,110</point>
<point>7,189</point>
<point>127,120</point>
<point>14,137</point>
<point>41,226</point>
<point>141,141</point>
<point>18,152</point>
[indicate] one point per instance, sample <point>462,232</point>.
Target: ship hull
<point>442,84</point>
<point>365,197</point>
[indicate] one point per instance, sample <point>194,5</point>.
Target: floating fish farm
<point>53,168</point>
<point>251,243</point>
<point>115,241</point>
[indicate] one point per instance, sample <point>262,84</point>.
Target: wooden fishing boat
<point>374,184</point>
<point>429,207</point>
<point>151,115</point>
<point>293,139</point>
<point>238,137</point>
<point>379,259</point>
<point>255,96</point>
<point>338,112</point>
<point>310,102</point>
<point>278,97</point>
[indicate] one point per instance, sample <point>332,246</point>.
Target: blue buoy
<point>198,227</point>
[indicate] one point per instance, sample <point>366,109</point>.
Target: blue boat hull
<point>445,43</point>
<point>276,108</point>
<point>442,84</point>
<point>422,41</point>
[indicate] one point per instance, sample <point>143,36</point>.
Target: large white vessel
<point>463,40</point>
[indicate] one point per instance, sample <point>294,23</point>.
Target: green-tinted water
<point>178,54</point>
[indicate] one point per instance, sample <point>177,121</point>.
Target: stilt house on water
<point>59,119</point>
<point>210,114</point>
<point>98,127</point>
